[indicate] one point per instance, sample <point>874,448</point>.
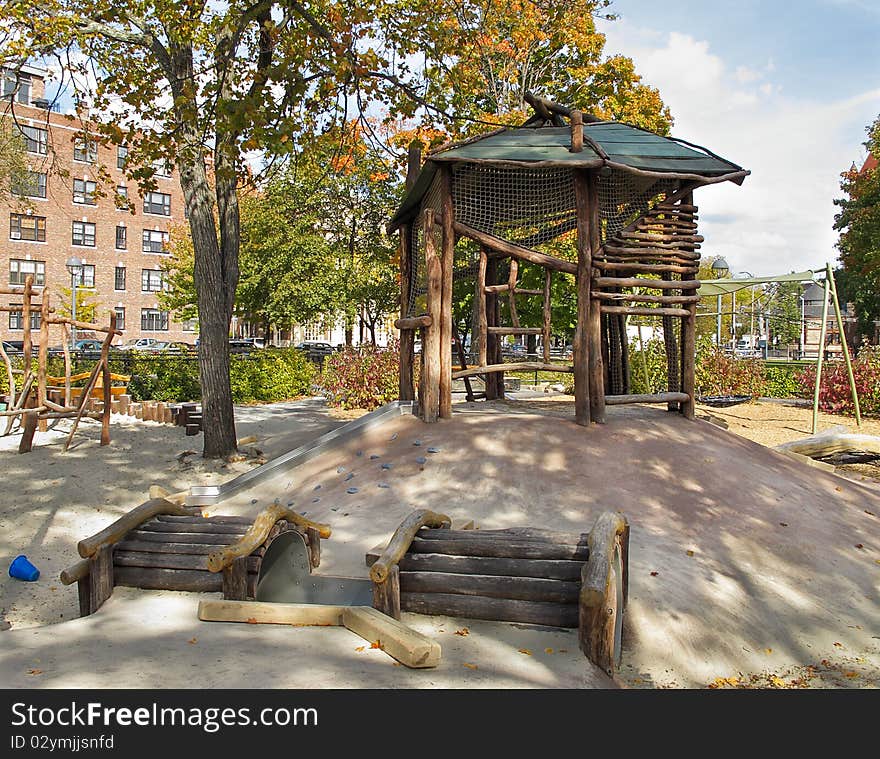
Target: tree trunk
<point>216,265</point>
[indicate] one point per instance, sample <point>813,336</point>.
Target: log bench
<point>526,575</point>
<point>161,545</point>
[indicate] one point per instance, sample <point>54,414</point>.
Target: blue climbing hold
<point>351,491</point>
<point>433,450</point>
<point>386,466</point>
<point>348,476</point>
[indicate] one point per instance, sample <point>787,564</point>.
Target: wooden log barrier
<point>402,538</point>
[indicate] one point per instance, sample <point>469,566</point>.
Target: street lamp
<point>75,267</point>
<point>720,270</point>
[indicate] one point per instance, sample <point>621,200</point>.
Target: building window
<point>36,140</point>
<point>313,331</point>
<point>16,320</point>
<point>155,241</point>
<point>83,234</point>
<point>85,150</point>
<point>119,278</point>
<point>30,185</point>
<point>24,227</point>
<point>190,325</point>
<point>120,316</point>
<point>87,277</point>
<point>17,86</point>
<point>158,203</point>
<point>162,168</point>
<point>121,156</point>
<point>19,269</point>
<point>121,238</point>
<point>154,320</point>
<point>152,281</point>
<point>84,191</point>
<point>122,197</point>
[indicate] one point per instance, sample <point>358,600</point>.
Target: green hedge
<point>268,375</point>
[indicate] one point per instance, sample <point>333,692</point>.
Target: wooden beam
<point>402,643</point>
<point>260,613</point>
<point>577,132</point>
<point>644,298</point>
<point>413,322</point>
<point>545,337</point>
<point>429,405</point>
<point>482,290</point>
<point>594,327</point>
<point>506,248</point>
<point>644,268</point>
<point>651,284</point>
<point>447,262</point>
<point>515,330</point>
<point>522,367</point>
<point>406,389</point>
<point>688,344</point>
<point>635,311</point>
<point>581,345</point>
<point>622,400</point>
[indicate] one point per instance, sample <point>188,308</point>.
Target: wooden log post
<point>27,345</point>
<point>482,322</point>
<point>494,380</point>
<point>603,591</point>
<point>577,132</point>
<point>100,577</point>
<point>29,427</point>
<point>407,336</point>
<point>688,343</point>
<point>106,380</point>
<point>65,347</point>
<point>594,361</point>
<point>386,594</point>
<point>402,538</point>
<point>313,542</point>
<point>235,580</point>
<point>43,355</point>
<point>581,347</point>
<point>429,404</point>
<point>546,313</point>
<point>447,261</point>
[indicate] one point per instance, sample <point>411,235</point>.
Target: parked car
<point>314,349</point>
<point>137,344</point>
<point>242,345</point>
<point>13,346</point>
<point>171,346</point>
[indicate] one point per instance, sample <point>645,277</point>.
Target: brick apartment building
<point>119,232</point>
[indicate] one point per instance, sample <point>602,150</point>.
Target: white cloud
<point>781,218</point>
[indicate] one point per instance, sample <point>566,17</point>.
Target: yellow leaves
<point>690,553</point>
<point>193,641</point>
<point>360,648</point>
<point>464,631</point>
<point>851,675</point>
<point>768,651</point>
<point>470,666</point>
<point>724,682</point>
<point>548,650</point>
<point>525,651</point>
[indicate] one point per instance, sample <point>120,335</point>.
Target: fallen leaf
<point>838,488</point>
<point>690,553</point>
<point>193,641</point>
<point>859,545</point>
<point>768,650</point>
<point>548,650</point>
<point>869,513</point>
<point>464,631</point>
<point>376,644</point>
<point>251,620</point>
<point>525,651</point>
<point>360,648</point>
<point>654,574</point>
<point>470,666</point>
<point>851,675</point>
<point>783,524</point>
<point>838,645</point>
<point>35,672</point>
<point>563,650</point>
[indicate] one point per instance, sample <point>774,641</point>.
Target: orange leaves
<point>193,641</point>
<point>654,574</point>
<point>251,620</point>
<point>524,651</point>
<point>464,631</point>
<point>377,644</point>
<point>470,666</point>
<point>35,672</point>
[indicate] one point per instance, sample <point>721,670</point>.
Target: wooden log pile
<point>162,545</point>
<point>525,575</point>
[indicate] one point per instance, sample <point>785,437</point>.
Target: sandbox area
<point>742,562</point>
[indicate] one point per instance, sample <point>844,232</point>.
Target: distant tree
<point>858,223</point>
<point>13,161</point>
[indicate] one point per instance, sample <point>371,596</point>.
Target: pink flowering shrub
<point>361,378</point>
<point>835,395</point>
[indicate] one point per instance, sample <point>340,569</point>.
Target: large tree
<point>205,85</point>
<point>859,243</point>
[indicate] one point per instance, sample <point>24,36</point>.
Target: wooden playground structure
<point>604,203</point>
<point>39,398</point>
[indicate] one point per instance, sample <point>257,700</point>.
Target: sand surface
<point>746,567</point>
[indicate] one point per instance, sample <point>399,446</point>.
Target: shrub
<point>835,395</point>
<point>650,362</point>
<point>720,374</point>
<point>362,378</point>
<point>270,374</point>
<point>781,382</point>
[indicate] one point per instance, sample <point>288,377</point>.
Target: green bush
<point>363,378</point>
<point>781,382</point>
<point>648,367</point>
<point>271,374</point>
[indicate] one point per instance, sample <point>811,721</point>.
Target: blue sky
<point>785,89</point>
